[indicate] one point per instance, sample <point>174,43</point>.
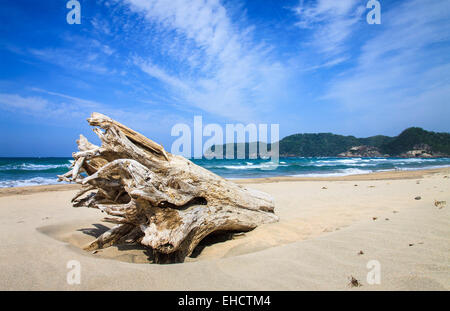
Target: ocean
<point>16,172</point>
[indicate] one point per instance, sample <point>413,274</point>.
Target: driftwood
<point>155,198</point>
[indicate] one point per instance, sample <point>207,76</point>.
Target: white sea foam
<point>343,172</point>
<point>336,162</point>
<point>28,182</point>
<point>355,171</point>
<point>33,167</point>
<point>421,168</point>
<point>250,167</point>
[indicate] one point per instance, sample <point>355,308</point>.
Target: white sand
<point>314,246</point>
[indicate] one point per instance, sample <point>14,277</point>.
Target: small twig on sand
<point>354,282</point>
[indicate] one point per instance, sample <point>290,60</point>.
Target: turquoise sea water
<point>16,172</point>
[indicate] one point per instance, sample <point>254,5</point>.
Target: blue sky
<point>311,66</point>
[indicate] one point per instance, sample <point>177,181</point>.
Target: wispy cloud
<point>402,75</point>
<point>101,26</point>
<point>42,108</point>
<point>76,100</point>
<point>68,58</point>
<point>64,108</point>
<point>332,23</point>
<point>158,73</point>
<point>78,53</point>
<point>16,102</point>
<point>223,70</point>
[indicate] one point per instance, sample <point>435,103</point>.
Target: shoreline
<point>385,175</point>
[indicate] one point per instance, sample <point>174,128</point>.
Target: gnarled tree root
<point>155,198</point>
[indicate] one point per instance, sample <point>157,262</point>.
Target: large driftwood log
<point>155,198</point>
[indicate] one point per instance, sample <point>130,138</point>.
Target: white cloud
<point>54,105</point>
<point>222,70</point>
<point>332,22</point>
<point>327,64</point>
<point>42,108</point>
<point>76,100</point>
<point>71,59</point>
<point>78,53</point>
<point>101,26</point>
<point>63,108</point>
<point>158,73</point>
<point>402,75</point>
<point>15,101</point>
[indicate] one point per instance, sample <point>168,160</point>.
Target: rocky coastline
<point>418,151</point>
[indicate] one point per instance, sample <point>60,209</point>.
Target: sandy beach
<point>329,229</point>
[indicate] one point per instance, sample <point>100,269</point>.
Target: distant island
<point>413,142</point>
